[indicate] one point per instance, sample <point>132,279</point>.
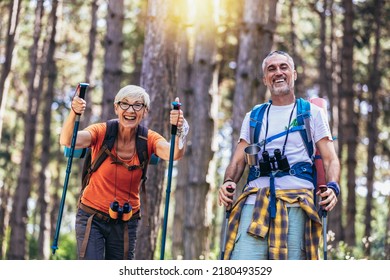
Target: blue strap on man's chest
<point>303,120</point>
<point>256,121</point>
<point>303,170</point>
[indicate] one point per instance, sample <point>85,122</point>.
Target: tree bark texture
<point>112,75</point>
<point>44,177</point>
<point>196,223</point>
<point>89,74</point>
<point>351,128</point>
<point>19,218</point>
<point>159,74</point>
<point>372,124</point>
<point>13,21</point>
<point>186,98</point>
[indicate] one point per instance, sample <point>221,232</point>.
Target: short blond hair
<point>134,92</point>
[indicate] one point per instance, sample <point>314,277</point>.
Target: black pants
<point>106,239</point>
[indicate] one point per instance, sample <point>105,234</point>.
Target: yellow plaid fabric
<point>277,229</point>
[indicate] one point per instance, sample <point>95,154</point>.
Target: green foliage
<point>343,252</point>
<point>33,248</point>
<point>67,247</point>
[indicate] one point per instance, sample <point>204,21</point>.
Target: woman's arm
<point>83,139</point>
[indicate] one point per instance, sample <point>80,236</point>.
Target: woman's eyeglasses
<point>125,106</point>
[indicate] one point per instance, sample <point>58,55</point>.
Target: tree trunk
<point>4,216</point>
<point>294,47</point>
<point>186,98</point>
<point>387,236</point>
<point>267,41</point>
<point>11,35</point>
<point>196,222</point>
<point>159,74</point>
<point>351,128</point>
<point>19,217</point>
<point>112,57</point>
<point>13,21</point>
<point>372,127</point>
<point>335,220</point>
<point>247,75</point>
<point>323,82</point>
<point>89,75</point>
<point>44,180</point>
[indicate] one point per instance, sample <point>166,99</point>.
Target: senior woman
<point>100,233</point>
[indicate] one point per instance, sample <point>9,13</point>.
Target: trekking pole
<point>82,87</point>
<point>176,106</point>
<point>227,215</point>
<point>323,188</point>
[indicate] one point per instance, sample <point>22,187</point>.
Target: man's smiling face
<point>279,75</point>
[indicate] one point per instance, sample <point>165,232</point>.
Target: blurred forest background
<point>209,53</point>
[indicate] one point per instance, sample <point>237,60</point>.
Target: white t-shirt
<point>295,150</point>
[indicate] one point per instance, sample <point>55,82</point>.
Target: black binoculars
<point>123,213</point>
<point>268,163</point>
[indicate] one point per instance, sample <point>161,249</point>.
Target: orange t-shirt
<point>113,181</point>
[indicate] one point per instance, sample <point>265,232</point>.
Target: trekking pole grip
<point>323,188</point>
<point>230,189</point>
<point>175,106</point>
<point>83,89</point>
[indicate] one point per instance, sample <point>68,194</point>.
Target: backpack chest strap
<point>283,133</point>
<point>115,160</point>
<point>302,170</point>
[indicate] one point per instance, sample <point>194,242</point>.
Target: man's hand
<point>226,192</point>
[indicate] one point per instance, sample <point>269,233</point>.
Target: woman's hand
<point>78,105</point>
<point>176,116</point>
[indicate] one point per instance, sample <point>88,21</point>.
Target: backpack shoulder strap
<point>111,133</point>
<point>141,143</point>
<point>303,118</point>
<point>108,143</point>
<point>256,121</point>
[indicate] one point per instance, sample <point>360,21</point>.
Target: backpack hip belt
<point>105,217</point>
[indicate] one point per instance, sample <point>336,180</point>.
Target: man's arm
<point>233,174</point>
<point>332,171</point>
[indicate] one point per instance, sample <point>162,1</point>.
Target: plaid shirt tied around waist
<point>277,228</point>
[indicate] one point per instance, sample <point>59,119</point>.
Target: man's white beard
<point>285,90</point>
<point>281,91</point>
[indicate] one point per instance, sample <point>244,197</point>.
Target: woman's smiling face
<point>130,112</point>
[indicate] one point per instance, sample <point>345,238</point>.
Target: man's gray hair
<point>289,59</point>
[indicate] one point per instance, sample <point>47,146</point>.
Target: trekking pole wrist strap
<point>182,133</point>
